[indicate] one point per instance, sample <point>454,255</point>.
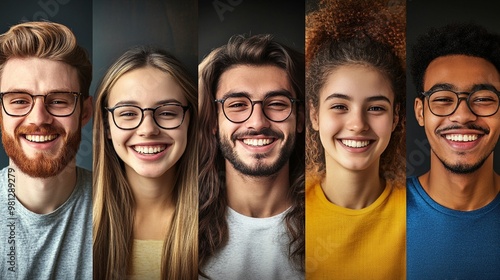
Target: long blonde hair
<point>113,210</point>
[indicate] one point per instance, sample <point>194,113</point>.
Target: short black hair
<point>456,38</point>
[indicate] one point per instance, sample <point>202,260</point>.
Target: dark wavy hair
<point>240,50</point>
<point>453,39</point>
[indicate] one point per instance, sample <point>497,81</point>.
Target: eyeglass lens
<point>239,109</point>
<point>21,103</point>
<point>481,103</point>
<point>166,116</point>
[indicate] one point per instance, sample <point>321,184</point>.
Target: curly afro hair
<point>357,32</point>
<point>383,21</point>
<point>453,39</point>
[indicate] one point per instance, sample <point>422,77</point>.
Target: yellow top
<point>146,259</point>
<point>368,243</point>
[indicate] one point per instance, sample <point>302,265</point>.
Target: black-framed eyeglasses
<point>482,102</point>
<point>58,104</point>
<point>276,108</point>
<point>166,116</point>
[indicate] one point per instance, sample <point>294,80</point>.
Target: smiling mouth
<point>258,142</point>
<point>40,138</point>
<point>355,144</point>
<point>149,150</point>
<point>461,137</point>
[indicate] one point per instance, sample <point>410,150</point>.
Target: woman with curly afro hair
<point>355,194</point>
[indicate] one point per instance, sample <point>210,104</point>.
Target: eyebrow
<point>475,87</point>
<point>349,98</point>
<point>133,102</point>
<point>338,95</point>
<point>246,94</point>
<point>46,92</point>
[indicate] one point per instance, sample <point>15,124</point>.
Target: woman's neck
<point>155,202</point>
<point>352,189</point>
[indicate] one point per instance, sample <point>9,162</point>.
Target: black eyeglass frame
<point>153,110</point>
<point>292,100</point>
<point>44,96</point>
<point>469,94</point>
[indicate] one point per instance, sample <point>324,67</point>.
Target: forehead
<point>461,71</point>
<point>145,86</point>
<point>256,81</point>
<point>38,75</point>
<point>356,81</point>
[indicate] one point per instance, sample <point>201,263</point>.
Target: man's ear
<point>86,113</point>
<point>313,115</point>
<point>418,107</point>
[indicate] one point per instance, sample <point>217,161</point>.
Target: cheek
<point>117,137</point>
<point>9,125</point>
<point>226,128</point>
<point>329,124</point>
<point>180,136</point>
<point>382,126</point>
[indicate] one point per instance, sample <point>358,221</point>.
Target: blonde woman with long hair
<point>145,213</point>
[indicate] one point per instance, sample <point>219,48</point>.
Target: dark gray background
<point>421,15</point>
<point>220,19</point>
<point>107,28</point>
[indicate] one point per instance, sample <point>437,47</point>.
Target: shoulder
<point>84,176</point>
<point>84,179</point>
<point>412,182</point>
<point>311,184</point>
<point>4,173</point>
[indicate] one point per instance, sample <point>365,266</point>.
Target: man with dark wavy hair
<point>46,200</point>
<point>251,182</point>
<point>453,210</point>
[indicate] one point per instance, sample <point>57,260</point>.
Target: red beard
<point>43,165</point>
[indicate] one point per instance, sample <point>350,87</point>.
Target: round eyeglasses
<point>58,104</point>
<point>483,102</point>
<point>238,109</point>
<point>166,116</point>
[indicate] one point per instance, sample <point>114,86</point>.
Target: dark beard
<point>463,169</point>
<point>42,165</point>
<point>260,169</point>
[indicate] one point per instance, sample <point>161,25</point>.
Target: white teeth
<point>461,137</point>
<point>355,144</point>
<point>40,138</point>
<point>257,142</point>
<point>149,149</point>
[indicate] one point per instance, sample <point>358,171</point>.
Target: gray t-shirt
<point>257,248</point>
<point>57,245</point>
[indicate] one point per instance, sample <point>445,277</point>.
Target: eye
<point>20,101</point>
<point>127,114</point>
<point>443,100</point>
<point>57,102</point>
<point>339,107</point>
<point>236,104</point>
<point>277,105</point>
<point>168,114</point>
<point>483,100</point>
<point>377,108</point>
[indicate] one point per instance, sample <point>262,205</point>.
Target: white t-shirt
<point>257,248</point>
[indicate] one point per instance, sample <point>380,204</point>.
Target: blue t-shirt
<point>448,244</point>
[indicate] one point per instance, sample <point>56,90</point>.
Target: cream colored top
<point>146,259</point>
